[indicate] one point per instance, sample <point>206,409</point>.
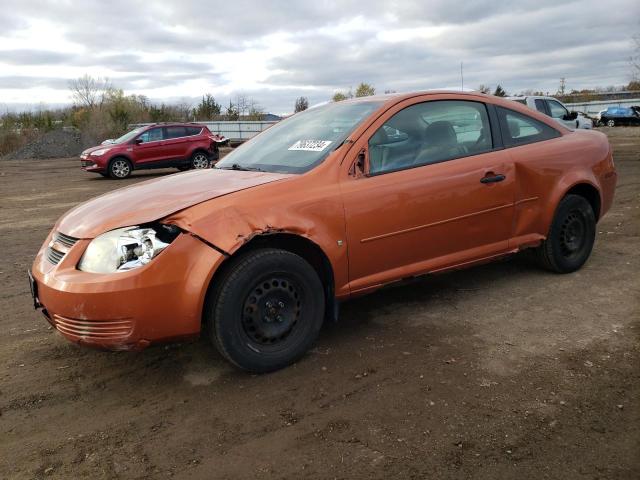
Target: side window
<point>153,135</point>
<point>557,110</point>
<point>519,129</point>
<point>191,131</point>
<point>540,105</point>
<point>430,132</point>
<point>175,132</point>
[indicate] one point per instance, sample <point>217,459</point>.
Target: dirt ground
<point>501,371</point>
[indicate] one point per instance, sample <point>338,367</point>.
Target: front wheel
<point>120,168</point>
<point>571,236</point>
<point>266,310</point>
<point>611,123</point>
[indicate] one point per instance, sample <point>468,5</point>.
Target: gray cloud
<point>29,56</point>
<point>128,62</point>
<point>25,82</point>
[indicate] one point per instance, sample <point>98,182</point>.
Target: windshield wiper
<point>237,166</point>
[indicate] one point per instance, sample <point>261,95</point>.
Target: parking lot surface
<point>500,371</point>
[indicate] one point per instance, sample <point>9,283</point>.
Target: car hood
<point>155,199</point>
<point>98,147</point>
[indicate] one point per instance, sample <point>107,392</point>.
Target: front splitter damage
<point>160,301</point>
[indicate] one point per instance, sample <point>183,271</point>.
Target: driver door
<point>434,195</point>
<point>148,146</point>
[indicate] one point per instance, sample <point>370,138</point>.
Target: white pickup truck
<point>556,110</point>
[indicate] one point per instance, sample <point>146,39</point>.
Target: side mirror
<point>138,141</point>
<point>571,116</point>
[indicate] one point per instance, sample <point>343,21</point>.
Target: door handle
<point>491,178</point>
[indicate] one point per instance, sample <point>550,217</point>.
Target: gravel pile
<point>53,144</point>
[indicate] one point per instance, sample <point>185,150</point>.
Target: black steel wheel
<point>266,309</point>
<point>272,309</point>
<point>571,236</point>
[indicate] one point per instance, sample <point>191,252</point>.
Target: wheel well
<point>198,150</point>
<point>590,193</point>
<point>302,247</point>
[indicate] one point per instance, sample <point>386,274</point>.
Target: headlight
<point>100,152</point>
<point>126,248</point>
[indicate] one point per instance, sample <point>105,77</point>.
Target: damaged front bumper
<point>159,301</point>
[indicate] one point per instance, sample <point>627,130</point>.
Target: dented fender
<point>228,223</point>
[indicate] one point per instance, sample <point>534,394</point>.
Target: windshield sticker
<point>310,145</point>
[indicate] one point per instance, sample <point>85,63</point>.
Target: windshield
<point>128,136</point>
<point>301,142</point>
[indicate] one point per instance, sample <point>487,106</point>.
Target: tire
<point>266,310</point>
<point>120,168</point>
<point>199,161</point>
<point>611,122</point>
<point>571,236</point>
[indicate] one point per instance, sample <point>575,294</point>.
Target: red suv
<point>180,145</point>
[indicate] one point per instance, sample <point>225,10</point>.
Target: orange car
<point>333,202</point>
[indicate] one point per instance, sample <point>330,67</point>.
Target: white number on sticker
<point>310,145</point>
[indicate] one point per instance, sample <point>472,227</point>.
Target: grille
<point>65,240</point>
<point>54,256</point>
<point>94,329</point>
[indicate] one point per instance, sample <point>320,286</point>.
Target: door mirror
<point>570,116</point>
<point>138,141</point>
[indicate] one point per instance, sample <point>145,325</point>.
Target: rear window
<point>193,130</point>
<point>619,111</point>
<point>540,105</point>
<point>176,132</point>
<point>519,129</point>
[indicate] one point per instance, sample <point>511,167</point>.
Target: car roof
<point>175,124</point>
<point>522,97</point>
<point>398,97</point>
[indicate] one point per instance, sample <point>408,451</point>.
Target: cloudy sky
<point>277,50</point>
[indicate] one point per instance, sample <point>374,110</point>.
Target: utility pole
<point>562,85</point>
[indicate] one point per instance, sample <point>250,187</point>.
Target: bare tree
<point>482,88</point>
<point>635,58</point>
<point>184,109</point>
<point>88,91</point>
<point>302,103</point>
<point>231,112</point>
<point>242,104</point>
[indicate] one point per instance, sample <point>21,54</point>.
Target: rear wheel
<point>266,310</point>
<point>570,238</point>
<point>199,160</point>
<point>120,168</point>
<point>611,122</point>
